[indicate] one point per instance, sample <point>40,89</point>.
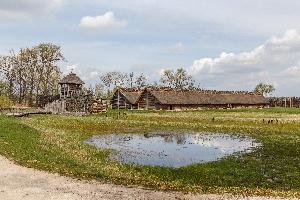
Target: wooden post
<point>285,102</point>
<point>147,101</point>
<point>118,99</point>
<point>63,94</point>
<point>60,92</point>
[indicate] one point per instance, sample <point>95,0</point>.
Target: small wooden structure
<point>125,98</point>
<point>171,99</point>
<point>73,99</point>
<point>99,106</point>
<point>70,85</point>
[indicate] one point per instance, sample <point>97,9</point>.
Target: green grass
<point>56,144</point>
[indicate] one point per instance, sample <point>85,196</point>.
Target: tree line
<point>30,72</point>
<point>178,79</point>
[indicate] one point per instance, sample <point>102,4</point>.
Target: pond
<point>172,149</point>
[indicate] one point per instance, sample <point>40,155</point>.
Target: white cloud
<point>178,48</point>
<point>72,67</point>
<point>293,71</point>
<point>93,75</point>
<point>88,75</point>
<point>107,20</point>
<point>274,61</point>
<point>278,52</point>
<point>248,17</point>
<point>21,8</point>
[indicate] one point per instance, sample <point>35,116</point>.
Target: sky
<point>225,45</point>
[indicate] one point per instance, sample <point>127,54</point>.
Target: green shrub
<point>5,101</point>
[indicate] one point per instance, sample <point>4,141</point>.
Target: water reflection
<point>173,150</point>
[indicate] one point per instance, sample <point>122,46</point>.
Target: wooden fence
<point>286,102</point>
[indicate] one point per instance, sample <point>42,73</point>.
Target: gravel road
<point>20,183</point>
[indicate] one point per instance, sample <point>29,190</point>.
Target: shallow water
<point>172,150</point>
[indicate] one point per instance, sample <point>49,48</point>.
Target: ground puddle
<point>173,150</point>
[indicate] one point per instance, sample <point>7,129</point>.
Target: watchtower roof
<point>71,78</point>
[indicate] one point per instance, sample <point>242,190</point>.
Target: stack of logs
<point>99,106</point>
<point>81,103</point>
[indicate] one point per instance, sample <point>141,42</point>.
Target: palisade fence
<point>56,107</point>
<point>286,102</point>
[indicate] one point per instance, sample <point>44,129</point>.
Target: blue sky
<point>225,45</point>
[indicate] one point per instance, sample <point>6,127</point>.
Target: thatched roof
<point>206,97</point>
<point>132,94</point>
<point>71,79</point>
<point>169,96</point>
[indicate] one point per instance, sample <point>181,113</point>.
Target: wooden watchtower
<point>70,86</point>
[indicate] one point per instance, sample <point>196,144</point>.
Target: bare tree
<point>130,79</point>
<point>32,72</point>
<point>7,72</point>
<point>114,79</point>
<point>107,80</point>
<point>120,79</point>
<point>19,61</point>
<point>3,88</point>
<point>167,78</point>
<point>179,79</point>
<point>99,90</point>
<point>141,81</point>
<point>48,71</point>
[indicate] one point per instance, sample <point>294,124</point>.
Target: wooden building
<point>73,99</point>
<point>125,98</point>
<point>70,85</point>
<point>170,99</point>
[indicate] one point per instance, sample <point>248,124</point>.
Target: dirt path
<point>20,183</point>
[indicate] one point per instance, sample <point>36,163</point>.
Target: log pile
<point>81,103</point>
<point>99,106</point>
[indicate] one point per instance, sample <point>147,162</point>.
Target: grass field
<point>56,144</point>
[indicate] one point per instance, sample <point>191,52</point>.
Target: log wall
<point>119,101</point>
<point>148,101</point>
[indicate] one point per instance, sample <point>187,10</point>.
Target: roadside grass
<point>56,144</point>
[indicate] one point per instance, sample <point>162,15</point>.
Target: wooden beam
<point>118,99</point>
